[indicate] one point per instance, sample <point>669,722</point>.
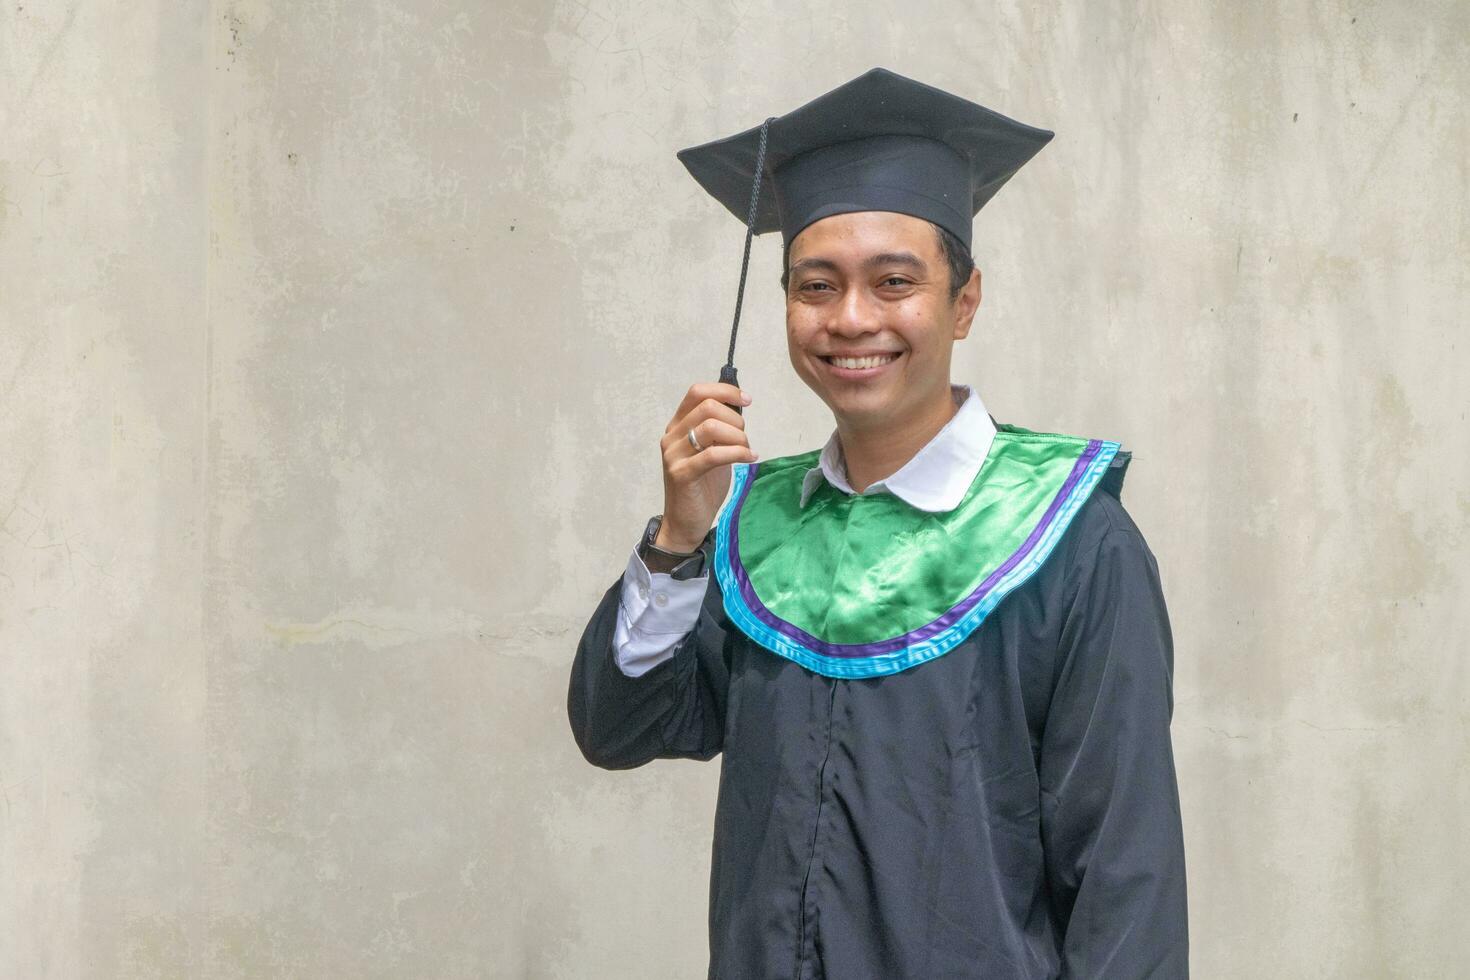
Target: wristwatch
<point>679,564</point>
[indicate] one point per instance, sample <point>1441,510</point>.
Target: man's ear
<point>965,305</point>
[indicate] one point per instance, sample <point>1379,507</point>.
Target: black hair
<point>961,263</point>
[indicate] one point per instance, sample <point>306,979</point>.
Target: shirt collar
<point>938,476</point>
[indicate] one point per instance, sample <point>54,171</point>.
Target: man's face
<point>874,283</point>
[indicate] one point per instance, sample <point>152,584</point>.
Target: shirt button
<point>660,599</point>
<point>643,592</point>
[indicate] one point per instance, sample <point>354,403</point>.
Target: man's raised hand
<point>696,481</point>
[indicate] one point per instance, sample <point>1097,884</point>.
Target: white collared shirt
<point>938,475</point>
<point>657,610</point>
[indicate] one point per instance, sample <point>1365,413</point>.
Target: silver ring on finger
<point>694,441</point>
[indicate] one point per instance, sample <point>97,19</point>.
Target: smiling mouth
<point>860,363</point>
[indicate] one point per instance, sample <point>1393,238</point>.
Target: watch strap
<point>681,566</point>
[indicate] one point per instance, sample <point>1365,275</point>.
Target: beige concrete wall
<point>336,340</point>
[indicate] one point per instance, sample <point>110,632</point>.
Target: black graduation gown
<point>1006,810</point>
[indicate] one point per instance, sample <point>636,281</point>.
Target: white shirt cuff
<point>655,612</point>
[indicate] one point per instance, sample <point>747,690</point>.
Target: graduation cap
<point>881,142</point>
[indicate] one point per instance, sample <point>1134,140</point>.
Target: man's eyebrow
<point>895,258</point>
<point>802,265</point>
<point>883,258</point>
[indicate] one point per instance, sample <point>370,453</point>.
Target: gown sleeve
<point>1111,827</point>
<point>674,710</point>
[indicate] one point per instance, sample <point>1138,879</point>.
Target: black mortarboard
<point>881,142</point>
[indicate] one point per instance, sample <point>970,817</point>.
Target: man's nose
<point>855,313</point>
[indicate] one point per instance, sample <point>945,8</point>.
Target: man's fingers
<point>730,427</point>
<point>717,432</point>
<point>711,408</point>
<point>696,466</point>
<point>721,393</point>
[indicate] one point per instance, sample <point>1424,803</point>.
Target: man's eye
<point>896,281</point>
<point>814,285</point>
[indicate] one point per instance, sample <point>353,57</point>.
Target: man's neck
<point>871,455</point>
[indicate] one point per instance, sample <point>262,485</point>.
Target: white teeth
<point>863,362</point>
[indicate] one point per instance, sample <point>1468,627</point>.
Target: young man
<point>935,653</point>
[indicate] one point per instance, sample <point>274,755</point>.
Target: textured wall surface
<point>336,340</point>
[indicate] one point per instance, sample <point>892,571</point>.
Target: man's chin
<point>857,404</point>
<point>859,408</point>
